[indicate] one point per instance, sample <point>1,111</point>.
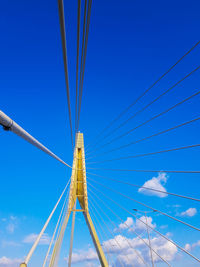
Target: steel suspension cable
<point>165,237</point>
<point>59,230</point>
<point>59,239</point>
<point>117,216</point>
<point>108,230</point>
<point>81,63</point>
<point>72,235</point>
<point>77,60</point>
<point>100,226</point>
<point>147,137</point>
<point>64,48</point>
<point>144,187</point>
<point>147,206</point>
<point>84,59</point>
<point>28,257</point>
<point>138,254</point>
<point>55,230</point>
<point>129,170</point>
<point>141,234</point>
<point>147,154</point>
<point>149,104</point>
<point>143,94</point>
<point>114,238</point>
<point>151,254</point>
<point>56,251</point>
<point>82,52</point>
<point>152,118</point>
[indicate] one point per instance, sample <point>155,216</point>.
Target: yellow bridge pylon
<point>78,192</point>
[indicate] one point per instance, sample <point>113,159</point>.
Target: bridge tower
<point>78,193</point>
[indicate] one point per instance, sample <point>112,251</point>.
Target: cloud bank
<point>156,183</point>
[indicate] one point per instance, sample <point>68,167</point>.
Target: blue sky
<point>131,44</point>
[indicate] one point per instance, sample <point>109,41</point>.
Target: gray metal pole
<point>10,125</point>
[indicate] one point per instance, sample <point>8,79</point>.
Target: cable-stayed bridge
<point>82,193</point>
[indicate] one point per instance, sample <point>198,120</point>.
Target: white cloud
<point>136,225</point>
<point>155,183</point>
<point>83,256</point>
<point>189,212</point>
<point>140,226</point>
<point>126,254</point>
<point>190,247</point>
<point>127,224</point>
<point>116,245</point>
<point>123,249</point>
<point>129,258</point>
<point>45,239</point>
<point>7,262</point>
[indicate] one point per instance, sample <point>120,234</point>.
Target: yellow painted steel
<point>78,190</point>
<point>95,239</point>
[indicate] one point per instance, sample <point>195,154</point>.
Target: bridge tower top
<point>78,193</point>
